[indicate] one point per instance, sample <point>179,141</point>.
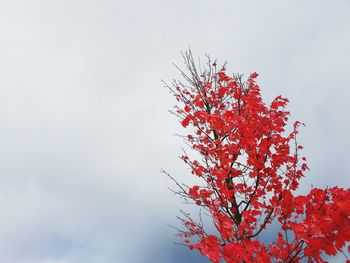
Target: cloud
<point>84,122</point>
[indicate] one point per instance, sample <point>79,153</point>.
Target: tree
<point>250,167</point>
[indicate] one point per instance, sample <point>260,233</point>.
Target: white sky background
<point>84,127</point>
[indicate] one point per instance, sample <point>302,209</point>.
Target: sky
<point>84,122</point>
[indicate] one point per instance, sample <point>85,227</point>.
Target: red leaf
<point>186,121</point>
<point>187,108</point>
<point>222,91</point>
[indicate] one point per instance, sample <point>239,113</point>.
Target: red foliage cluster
<point>251,166</point>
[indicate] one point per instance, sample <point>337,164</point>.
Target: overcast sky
<point>84,127</point>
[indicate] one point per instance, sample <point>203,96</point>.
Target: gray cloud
<point>84,123</point>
